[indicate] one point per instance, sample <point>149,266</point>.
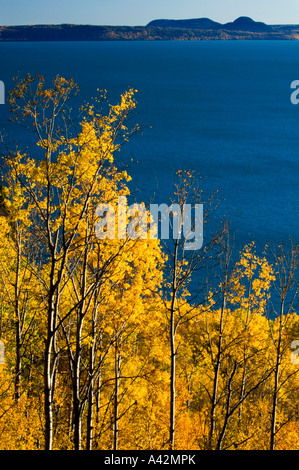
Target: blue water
<point>218,107</point>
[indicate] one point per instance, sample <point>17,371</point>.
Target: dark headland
<point>157,30</point>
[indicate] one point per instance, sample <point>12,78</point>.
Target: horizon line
<point>143,25</point>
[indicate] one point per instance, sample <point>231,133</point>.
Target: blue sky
<point>140,12</point>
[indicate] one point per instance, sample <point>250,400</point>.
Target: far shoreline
<point>88,33</point>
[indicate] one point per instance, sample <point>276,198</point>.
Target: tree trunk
<point>48,387</point>
<point>89,437</point>
<point>18,322</point>
<point>116,400</point>
<point>172,382</point>
<point>77,404</point>
<point>173,353</point>
<point>216,375</point>
<point>50,363</point>
<point>217,365</point>
<point>276,383</point>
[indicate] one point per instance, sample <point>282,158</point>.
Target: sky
<point>140,12</point>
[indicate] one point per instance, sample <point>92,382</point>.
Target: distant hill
<point>247,24</point>
<point>197,23</point>
<point>240,24</point>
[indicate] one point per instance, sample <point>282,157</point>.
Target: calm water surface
<point>221,108</point>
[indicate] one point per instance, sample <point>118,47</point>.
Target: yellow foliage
<point>100,306</point>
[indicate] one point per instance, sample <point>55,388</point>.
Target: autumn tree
<point>21,300</point>
<point>283,306</point>
<point>60,189</point>
<point>187,256</point>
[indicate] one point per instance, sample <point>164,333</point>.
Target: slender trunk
<point>217,372</point>
<point>48,419</point>
<point>77,402</point>
<point>77,423</point>
<point>276,383</point>
<point>217,364</point>
<point>77,412</point>
<point>78,408</point>
<point>228,412</point>
<point>172,382</point>
<point>244,374</point>
<point>89,437</point>
<point>98,397</point>
<point>48,388</point>
<point>173,353</point>
<point>50,361</point>
<point>274,406</point>
<point>18,323</point>
<point>116,394</point>
<point>18,361</point>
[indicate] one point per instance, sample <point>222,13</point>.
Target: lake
<point>218,107</point>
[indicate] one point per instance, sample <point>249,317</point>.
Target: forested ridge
<point>150,32</point>
<point>124,343</point>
